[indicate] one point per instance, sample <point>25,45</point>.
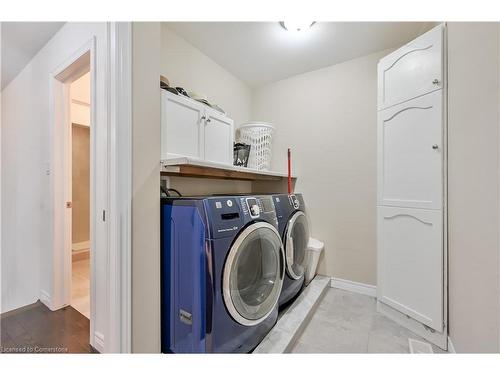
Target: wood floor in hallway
<point>37,329</point>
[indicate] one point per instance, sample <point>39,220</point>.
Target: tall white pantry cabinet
<point>411,186</point>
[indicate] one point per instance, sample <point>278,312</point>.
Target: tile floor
<point>80,286</point>
<point>347,322</point>
<point>293,317</point>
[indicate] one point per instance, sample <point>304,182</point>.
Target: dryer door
<point>296,240</point>
<point>253,274</point>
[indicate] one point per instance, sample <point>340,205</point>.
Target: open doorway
<point>80,194</point>
<point>74,193</point>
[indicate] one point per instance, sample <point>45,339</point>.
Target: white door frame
<point>116,210</point>
<point>120,208</point>
<point>73,68</point>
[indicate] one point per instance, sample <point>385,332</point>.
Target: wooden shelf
<point>187,167</point>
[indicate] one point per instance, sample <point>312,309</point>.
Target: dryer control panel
<point>294,201</point>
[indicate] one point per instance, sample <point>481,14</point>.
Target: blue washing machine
<point>294,231</point>
<point>222,270</point>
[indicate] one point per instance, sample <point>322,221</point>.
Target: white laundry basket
<point>314,249</point>
<point>259,135</point>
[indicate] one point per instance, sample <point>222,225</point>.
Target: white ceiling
<point>20,43</point>
<point>263,52</point>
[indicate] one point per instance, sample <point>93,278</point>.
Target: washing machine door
<point>253,274</point>
<point>296,239</point>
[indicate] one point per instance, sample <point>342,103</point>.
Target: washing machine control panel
<point>253,207</point>
<point>228,214</point>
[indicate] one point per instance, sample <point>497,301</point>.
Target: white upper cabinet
<point>410,153</point>
<point>411,71</point>
<point>192,129</point>
<point>182,127</point>
<point>218,134</point>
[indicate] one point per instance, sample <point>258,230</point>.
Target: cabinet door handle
<point>435,147</point>
<point>203,118</point>
<point>208,120</point>
<point>435,82</point>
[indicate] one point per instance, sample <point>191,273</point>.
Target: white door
<point>218,138</point>
<point>181,127</point>
<point>410,260</point>
<point>410,154</point>
<point>412,70</point>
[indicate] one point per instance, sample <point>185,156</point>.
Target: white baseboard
<point>354,286</point>
<point>45,299</point>
<point>451,348</point>
<point>98,343</point>
<point>79,246</point>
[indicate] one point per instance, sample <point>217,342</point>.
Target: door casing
<point>112,151</point>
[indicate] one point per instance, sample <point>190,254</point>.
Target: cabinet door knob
<point>208,120</point>
<point>435,147</point>
<point>436,81</point>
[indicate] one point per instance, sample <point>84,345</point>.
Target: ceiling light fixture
<point>296,25</point>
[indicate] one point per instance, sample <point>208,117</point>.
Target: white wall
<point>27,205</point>
<point>186,66</point>
<point>329,119</point>
<point>473,123</point>
<point>145,187</point>
<point>80,100</point>
<point>21,252</point>
<point>80,168</point>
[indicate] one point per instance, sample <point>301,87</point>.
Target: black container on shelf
<point>241,152</point>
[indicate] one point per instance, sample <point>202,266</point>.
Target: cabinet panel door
<point>218,138</point>
<point>410,157</point>
<point>181,127</point>
<point>413,70</point>
<point>410,263</point>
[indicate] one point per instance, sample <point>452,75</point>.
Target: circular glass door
<point>253,274</point>
<point>296,240</point>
